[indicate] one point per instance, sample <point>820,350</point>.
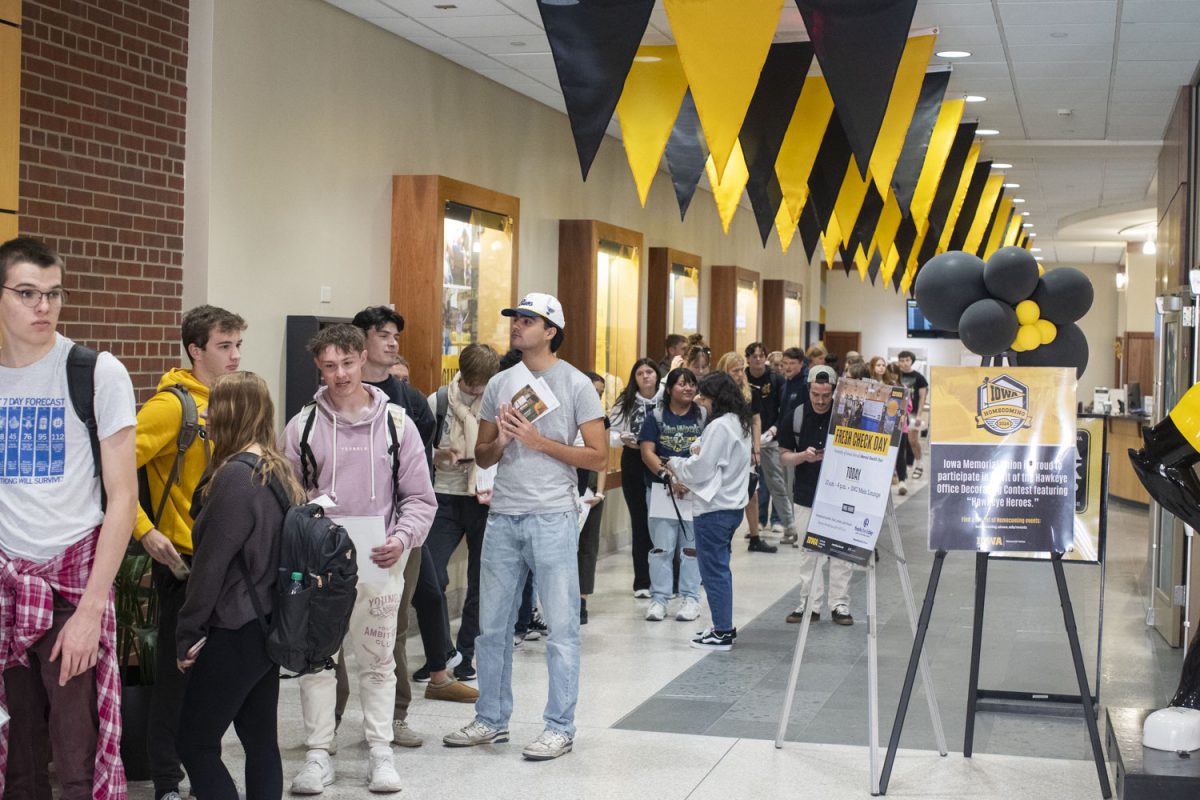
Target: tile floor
<point>658,719</point>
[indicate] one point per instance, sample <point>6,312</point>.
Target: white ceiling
<point>1080,90</point>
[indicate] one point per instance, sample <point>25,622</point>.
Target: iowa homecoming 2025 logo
<point>1003,406</point>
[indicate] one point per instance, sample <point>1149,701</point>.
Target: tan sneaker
<point>404,736</point>
<point>452,690</point>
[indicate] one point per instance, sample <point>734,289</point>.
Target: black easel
<point>1064,596</point>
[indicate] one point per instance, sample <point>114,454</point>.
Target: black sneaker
<point>464,671</point>
<point>582,611</point>
<point>713,639</point>
<point>537,627</point>
<point>757,545</point>
<point>421,675</point>
<point>841,615</point>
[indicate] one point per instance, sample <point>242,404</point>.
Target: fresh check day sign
<point>856,472</point>
<point>1002,459</point>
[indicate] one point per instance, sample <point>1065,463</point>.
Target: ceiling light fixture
<point>1000,164</point>
<point>646,59</point>
<point>1026,224</point>
<point>953,54</point>
<point>986,132</point>
<point>1035,249</point>
<point>1032,234</point>
<point>1024,213</point>
<point>975,98</point>
<point>1149,248</point>
<point>1018,200</point>
<point>1010,185</point>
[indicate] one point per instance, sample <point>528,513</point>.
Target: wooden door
<point>841,342</point>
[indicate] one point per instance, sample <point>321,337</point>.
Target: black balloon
<point>1069,349</point>
<point>988,327</point>
<point>1064,295</point>
<point>1011,274</point>
<point>947,285</point>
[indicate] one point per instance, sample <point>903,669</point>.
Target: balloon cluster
<point>1007,305</point>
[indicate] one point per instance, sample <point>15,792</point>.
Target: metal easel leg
<point>797,655</point>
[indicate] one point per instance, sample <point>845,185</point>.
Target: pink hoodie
<point>358,476</point>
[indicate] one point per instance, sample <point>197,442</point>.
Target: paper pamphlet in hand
<point>661,506</point>
<point>531,396</point>
<point>367,533</point>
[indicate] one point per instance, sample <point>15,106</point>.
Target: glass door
<point>1167,550</point>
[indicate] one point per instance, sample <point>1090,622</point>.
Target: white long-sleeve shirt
<point>721,470</point>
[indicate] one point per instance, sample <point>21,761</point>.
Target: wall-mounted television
<point>921,328</point>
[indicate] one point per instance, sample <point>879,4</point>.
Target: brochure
<point>531,396</point>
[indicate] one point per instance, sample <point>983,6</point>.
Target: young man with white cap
<point>533,525</point>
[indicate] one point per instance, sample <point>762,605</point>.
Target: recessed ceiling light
<point>646,59</point>
<point>986,132</point>
<point>1019,200</point>
<point>1010,185</point>
<point>1037,258</point>
<point>1026,224</point>
<point>975,98</point>
<point>1001,165</point>
<point>1035,249</point>
<point>953,54</point>
<point>1059,35</point>
<point>1033,234</point>
<point>1024,213</point>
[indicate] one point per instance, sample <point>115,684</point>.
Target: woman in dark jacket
<point>220,640</point>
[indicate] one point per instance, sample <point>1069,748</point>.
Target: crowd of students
<point>427,472</point>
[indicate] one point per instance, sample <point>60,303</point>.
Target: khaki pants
<point>840,572</point>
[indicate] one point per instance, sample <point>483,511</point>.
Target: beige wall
<point>310,113</point>
<point>1135,305</point>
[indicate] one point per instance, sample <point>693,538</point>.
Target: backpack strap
<point>81,386</point>
<point>395,428</point>
<point>189,430</point>
<point>443,407</point>
<point>308,461</point>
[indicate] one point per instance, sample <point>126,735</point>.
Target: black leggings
<point>633,486</point>
<point>232,681</point>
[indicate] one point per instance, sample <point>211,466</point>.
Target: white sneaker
<point>641,594</point>
<point>777,527</point>
<point>315,775</point>
<point>689,610</point>
<point>384,777</point>
<point>901,489</point>
<point>550,744</point>
<point>657,612</point>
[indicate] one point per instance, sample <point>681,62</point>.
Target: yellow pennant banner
<point>885,230</point>
<point>727,191</point>
<point>798,152</point>
<point>935,161</point>
<point>983,215</point>
<point>654,90</point>
<point>1014,230</point>
<point>723,47</point>
<point>786,225</point>
<point>999,228</point>
<point>906,90</point>
<point>960,196</point>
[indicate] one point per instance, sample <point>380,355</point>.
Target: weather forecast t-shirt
<point>50,498</point>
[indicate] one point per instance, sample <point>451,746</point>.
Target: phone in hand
<point>195,649</point>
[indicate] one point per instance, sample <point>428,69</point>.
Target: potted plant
<point>137,646</point>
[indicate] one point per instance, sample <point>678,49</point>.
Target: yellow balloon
<point>1028,312</point>
<point>1028,338</point>
<point>1047,330</point>
<point>1041,270</point>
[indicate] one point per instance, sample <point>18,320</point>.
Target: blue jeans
<point>714,533</point>
<point>668,540</point>
<point>512,546</point>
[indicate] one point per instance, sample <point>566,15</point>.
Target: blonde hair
<point>240,415</point>
<point>727,363</point>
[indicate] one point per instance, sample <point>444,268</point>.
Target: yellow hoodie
<point>158,424</point>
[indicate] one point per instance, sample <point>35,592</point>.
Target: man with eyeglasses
<point>66,510</point>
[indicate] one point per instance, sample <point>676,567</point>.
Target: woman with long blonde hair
<point>734,365</point>
<point>220,639</point>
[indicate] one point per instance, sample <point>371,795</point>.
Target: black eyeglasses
<point>32,298</point>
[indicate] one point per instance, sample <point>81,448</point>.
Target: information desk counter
<point>1125,432</point>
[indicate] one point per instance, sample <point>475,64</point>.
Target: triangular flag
<point>886,227</point>
<point>960,194</point>
<point>828,172</point>
<point>765,201</point>
<point>912,155</point>
<point>801,143</point>
<point>983,213</point>
<point>727,191</point>
<point>593,46</point>
<point>906,91</point>
<point>943,195</point>
<point>868,219</point>
<point>1003,216</point>
<point>858,44</point>
<point>686,154</point>
<point>970,205</point>
<point>723,47</point>
<point>810,230</point>
<point>648,109</point>
<point>873,269</point>
<point>990,223</point>
<point>940,142</point>
<point>786,226</point>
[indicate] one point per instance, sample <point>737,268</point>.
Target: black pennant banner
<point>810,230</point>
<point>873,269</point>
<point>686,154</point>
<point>828,172</point>
<point>970,204</point>
<point>943,197</point>
<point>983,242</point>
<point>593,46</point>
<point>916,141</point>
<point>765,200</point>
<point>859,44</point>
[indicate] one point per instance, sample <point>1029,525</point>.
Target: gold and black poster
<point>1002,459</point>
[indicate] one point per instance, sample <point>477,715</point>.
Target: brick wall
<point>103,105</point>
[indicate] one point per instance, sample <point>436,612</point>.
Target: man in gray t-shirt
<point>533,524</point>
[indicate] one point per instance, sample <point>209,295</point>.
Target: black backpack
<point>81,386</point>
<point>189,430</point>
<point>307,628</point>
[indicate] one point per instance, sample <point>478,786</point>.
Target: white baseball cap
<point>536,304</point>
<point>822,374</point>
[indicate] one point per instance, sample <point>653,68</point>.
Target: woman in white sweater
<point>717,473</point>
